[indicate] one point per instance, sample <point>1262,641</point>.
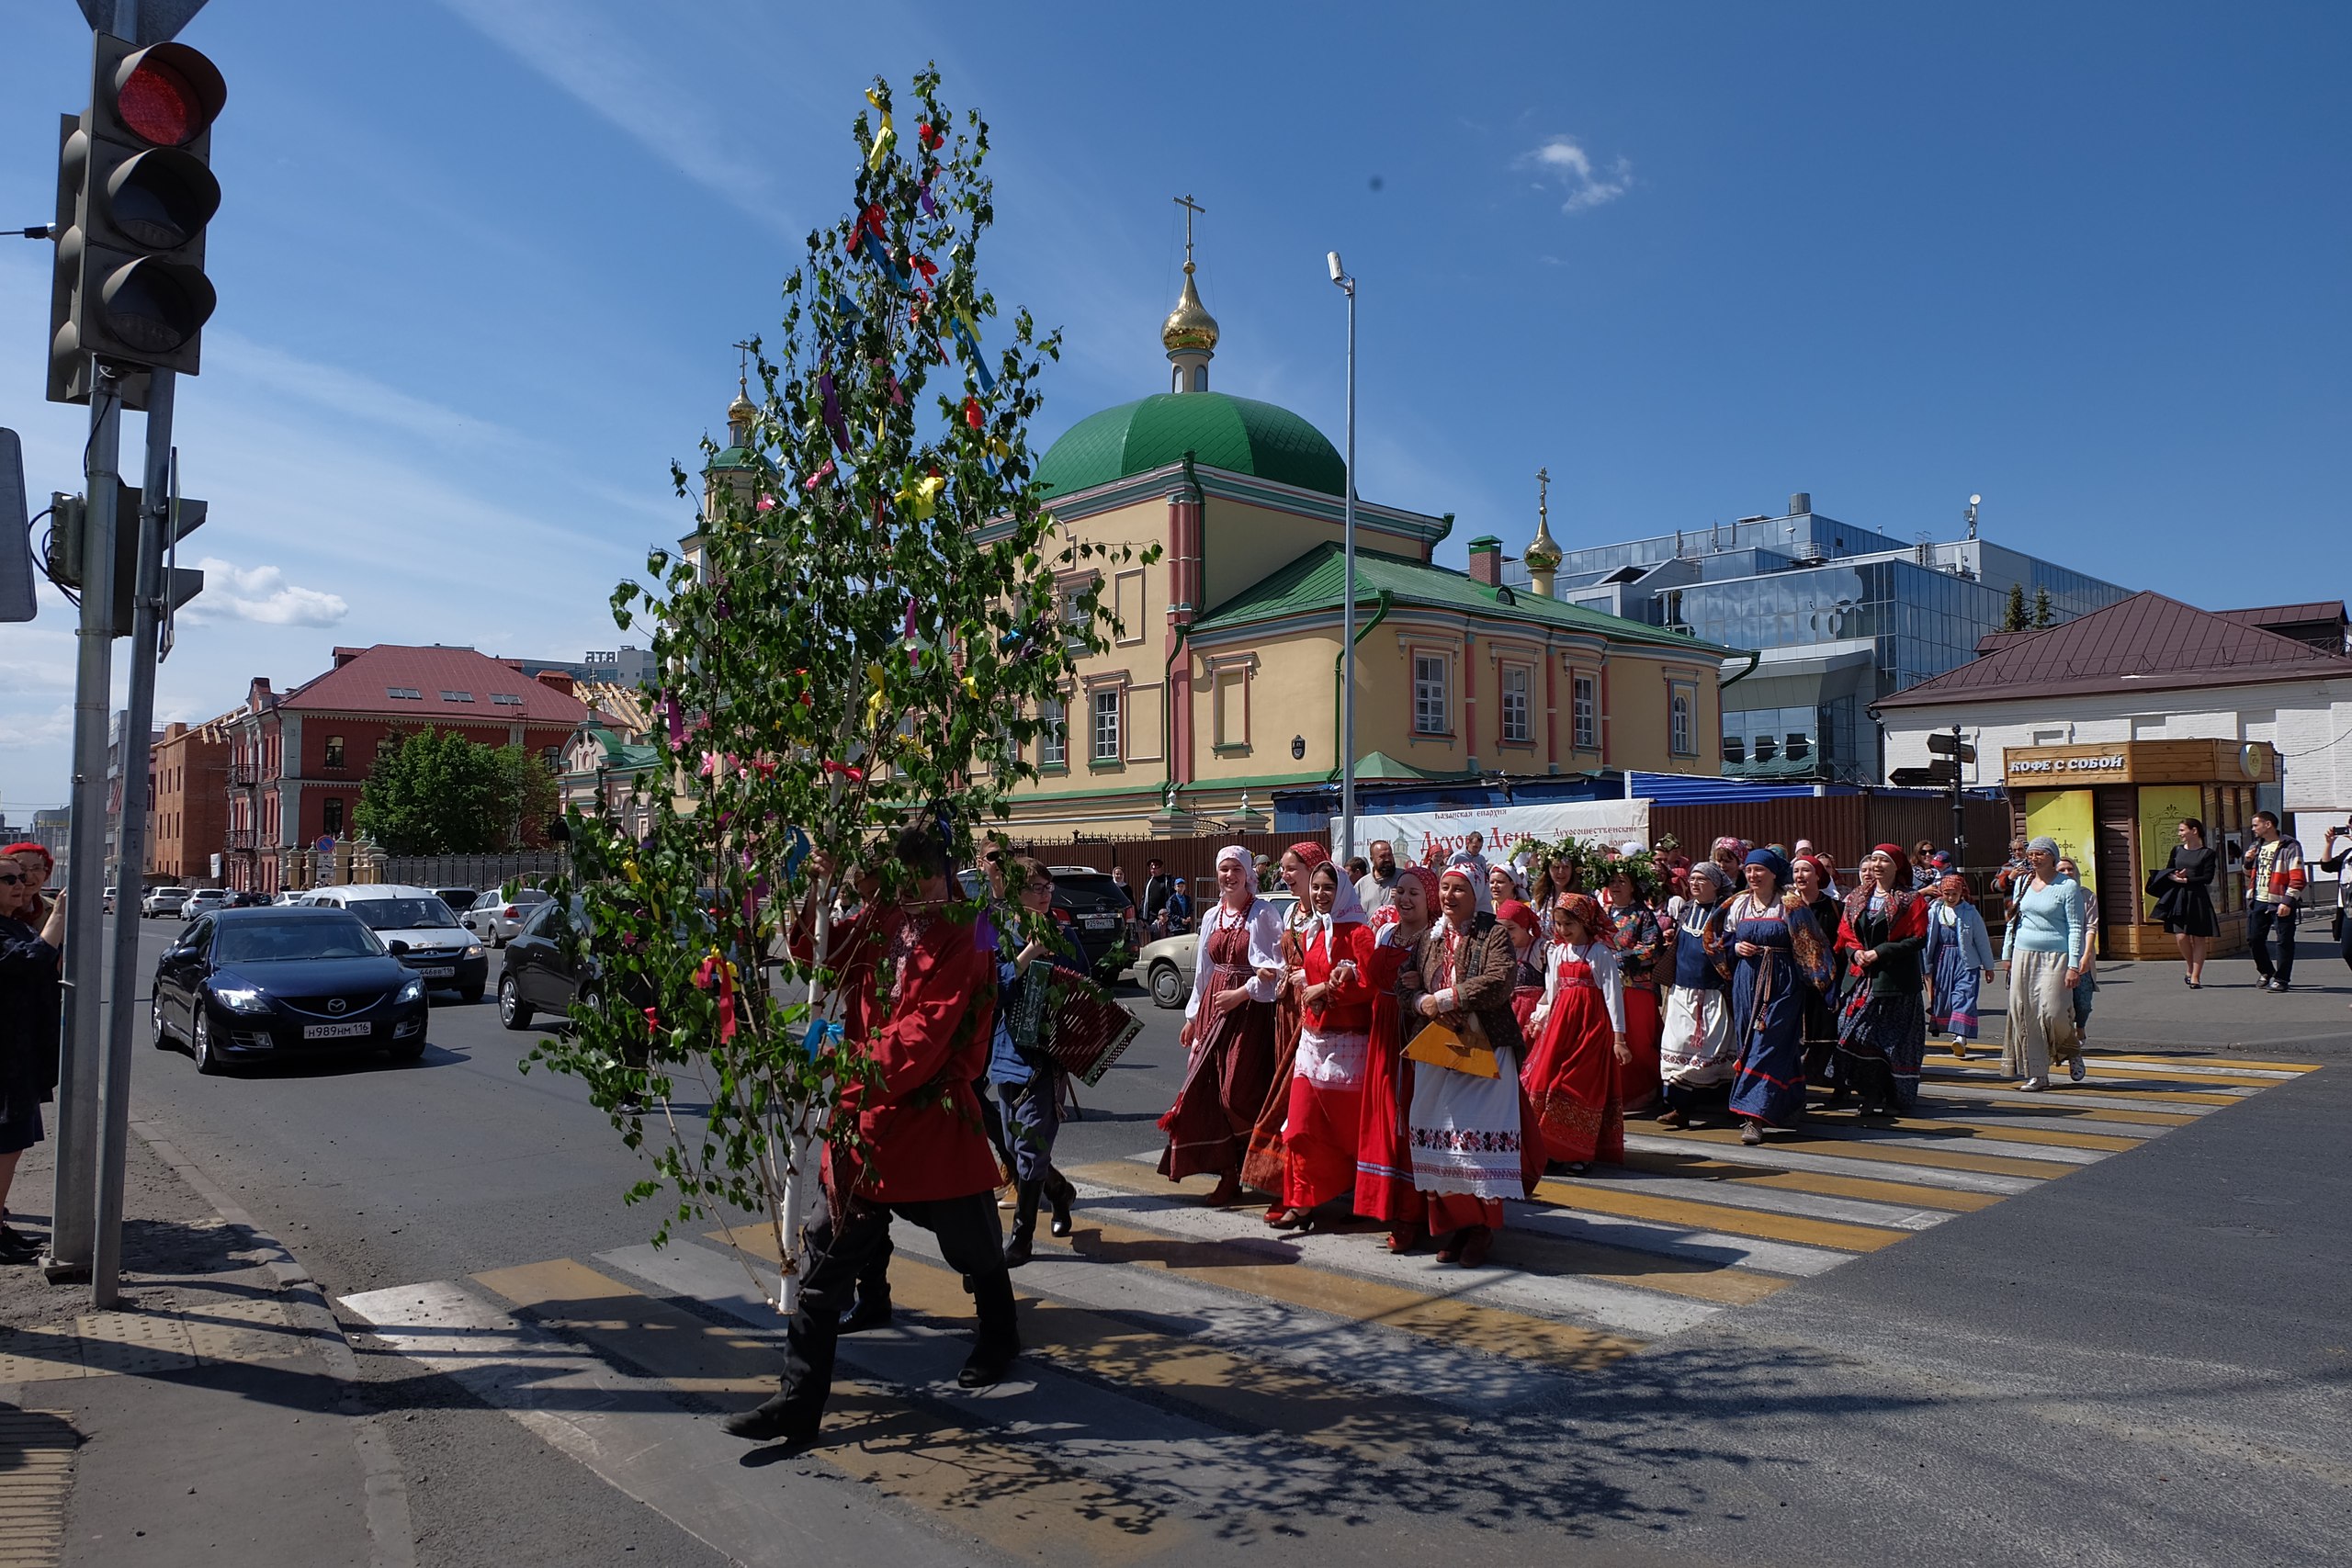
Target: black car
<point>538,977</point>
<point>460,899</point>
<point>1092,912</point>
<point>285,982</point>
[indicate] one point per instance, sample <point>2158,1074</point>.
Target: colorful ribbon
<point>819,477</point>
<point>834,423</point>
<point>884,139</point>
<point>920,498</point>
<point>968,337</point>
<point>822,1033</point>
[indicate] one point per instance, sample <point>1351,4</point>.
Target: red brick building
<point>297,758</point>
<point>187,812</point>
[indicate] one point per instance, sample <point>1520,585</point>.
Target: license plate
<point>441,974</point>
<point>1101,922</point>
<point>334,1031</point>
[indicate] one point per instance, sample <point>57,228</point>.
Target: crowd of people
<point>1415,1044</point>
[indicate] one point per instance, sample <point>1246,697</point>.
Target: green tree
<point>2043,615</point>
<point>435,793</point>
<point>2013,615</point>
<point>533,799</point>
<point>861,642</point>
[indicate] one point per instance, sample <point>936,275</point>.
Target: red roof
<point>364,683</point>
<point>2144,643</point>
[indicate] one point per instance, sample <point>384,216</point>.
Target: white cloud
<point>260,593</point>
<point>1562,162</point>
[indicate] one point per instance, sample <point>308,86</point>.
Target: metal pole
<point>122,991</point>
<point>74,1210</point>
<point>1348,609</point>
<point>1959,809</point>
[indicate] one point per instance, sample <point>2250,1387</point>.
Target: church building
<point>1223,682</point>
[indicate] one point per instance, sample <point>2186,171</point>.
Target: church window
<point>1679,739</point>
<point>1584,712</point>
<point>1515,682</point>
<point>1105,712</point>
<point>1053,740</point>
<point>1429,703</point>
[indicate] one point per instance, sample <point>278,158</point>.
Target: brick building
<point>187,795</point>
<point>298,759</point>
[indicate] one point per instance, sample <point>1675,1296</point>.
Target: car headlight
<point>473,950</point>
<point>240,999</point>
<point>410,990</point>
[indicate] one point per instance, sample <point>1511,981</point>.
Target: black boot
<point>1020,1249</point>
<point>770,1419</point>
<point>871,1311</point>
<point>1060,1195</point>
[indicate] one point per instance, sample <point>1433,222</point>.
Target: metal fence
<point>472,871</point>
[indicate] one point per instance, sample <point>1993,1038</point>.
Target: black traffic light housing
<point>134,192</point>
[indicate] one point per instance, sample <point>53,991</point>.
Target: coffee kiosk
<point>2113,809</point>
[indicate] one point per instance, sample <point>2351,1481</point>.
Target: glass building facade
<point>1841,615</point>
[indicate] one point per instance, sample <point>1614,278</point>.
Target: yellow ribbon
<point>874,703</point>
<point>629,869</point>
<point>884,139</point>
<point>921,498</point>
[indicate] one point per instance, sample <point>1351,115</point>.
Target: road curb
<point>389,1529</point>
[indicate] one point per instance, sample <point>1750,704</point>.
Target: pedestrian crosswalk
<point>1180,1359</point>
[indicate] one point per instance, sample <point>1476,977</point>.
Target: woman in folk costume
<point>1772,951</point>
<point>1695,1054</point>
<point>1811,878</point>
<point>1326,1076</point>
<point>1575,1068</point>
<point>1261,1165</point>
<point>1470,1132</point>
<point>1384,1137</point>
<point>1228,1031</point>
<point>1641,945</point>
<point>1527,986</point>
<point>1883,1030</point>
<point>1960,960</point>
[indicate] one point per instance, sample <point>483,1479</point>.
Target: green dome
<point>1236,433</point>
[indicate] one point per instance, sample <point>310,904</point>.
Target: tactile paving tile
<point>241,1329</point>
<point>39,1355</point>
<point>134,1344</point>
<point>34,1483</point>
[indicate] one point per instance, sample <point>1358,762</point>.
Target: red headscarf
<point>1518,914</point>
<point>1310,854</point>
<point>1584,909</point>
<point>1895,853</point>
<point>1425,879</point>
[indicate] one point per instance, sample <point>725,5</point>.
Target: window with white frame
<point>1515,682</point>
<point>1680,737</point>
<point>1105,704</point>
<point>1053,739</point>
<point>1584,707</point>
<point>1231,707</point>
<point>1428,694</point>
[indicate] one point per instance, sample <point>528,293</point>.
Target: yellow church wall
<point>1250,697</point>
<point>1241,544</point>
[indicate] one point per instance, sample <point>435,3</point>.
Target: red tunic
<point>1320,1130</point>
<point>925,1028</point>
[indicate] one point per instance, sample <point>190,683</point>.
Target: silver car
<point>497,918</point>
<point>203,901</point>
<point>163,901</point>
<point>1166,966</point>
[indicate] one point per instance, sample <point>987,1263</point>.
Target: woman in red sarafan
<point>1384,1138</point>
<point>1529,992</point>
<point>1640,942</point>
<point>1229,1033</point>
<point>1573,1071</point>
<point>1327,1075</point>
<point>1263,1167</point>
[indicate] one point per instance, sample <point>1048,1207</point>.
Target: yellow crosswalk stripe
<point>2053,1105</point>
<point>2106,1088</point>
<point>1032,1507</point>
<point>1697,1166</point>
<point>1908,1126</point>
<point>2243,1063</point>
<point>1606,1198</point>
<point>1887,1154</point>
<point>2136,1068</point>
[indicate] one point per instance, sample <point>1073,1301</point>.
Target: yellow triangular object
<point>1440,1047</point>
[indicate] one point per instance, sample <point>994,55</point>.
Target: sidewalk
<point>211,1419</point>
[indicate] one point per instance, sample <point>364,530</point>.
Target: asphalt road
<point>2145,1362</point>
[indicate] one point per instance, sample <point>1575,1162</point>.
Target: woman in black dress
<point>2186,902</point>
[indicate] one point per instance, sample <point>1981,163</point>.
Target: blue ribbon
<point>796,850</point>
<point>880,257</point>
<point>970,341</point>
<point>820,1033</point>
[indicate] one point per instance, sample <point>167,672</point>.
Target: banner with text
<point>1429,838</point>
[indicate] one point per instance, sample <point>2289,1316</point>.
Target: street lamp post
<point>1347,846</point>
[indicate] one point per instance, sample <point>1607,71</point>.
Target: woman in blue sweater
<point>2043,952</point>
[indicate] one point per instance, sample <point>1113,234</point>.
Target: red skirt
<point>1225,1087</point>
<point>1524,999</point>
<point>1571,1080</point>
<point>1319,1143</point>
<point>1638,1080</point>
<point>1383,1144</point>
<point>1263,1164</point>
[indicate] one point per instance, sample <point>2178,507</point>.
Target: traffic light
<point>134,193</point>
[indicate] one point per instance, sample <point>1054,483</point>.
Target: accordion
<point>1063,1018</point>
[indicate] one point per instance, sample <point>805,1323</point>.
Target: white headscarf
<point>1249,867</point>
<point>1346,907</point>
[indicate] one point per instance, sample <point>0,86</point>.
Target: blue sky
<point>480,261</point>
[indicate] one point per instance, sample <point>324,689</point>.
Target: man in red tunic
<point>924,1022</point>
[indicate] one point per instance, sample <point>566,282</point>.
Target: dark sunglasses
<point>12,880</point>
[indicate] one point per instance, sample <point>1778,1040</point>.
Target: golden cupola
<point>1190,331</point>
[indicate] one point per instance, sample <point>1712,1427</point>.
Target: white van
<point>420,930</point>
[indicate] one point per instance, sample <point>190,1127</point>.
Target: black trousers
<point>969,1239</point>
<point>2260,921</point>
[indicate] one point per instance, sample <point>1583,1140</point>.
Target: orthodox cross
<point>743,367</point>
<point>1191,208</point>
<point>1543,497</point>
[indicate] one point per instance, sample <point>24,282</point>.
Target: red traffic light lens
<point>158,104</point>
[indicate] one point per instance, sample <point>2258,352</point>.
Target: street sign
<point>1952,746</point>
<point>15,528</point>
<point>1935,776</point>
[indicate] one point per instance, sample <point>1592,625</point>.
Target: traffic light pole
<point>1958,803</point>
<point>73,1222</point>
<point>147,603</point>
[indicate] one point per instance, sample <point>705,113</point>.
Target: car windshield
<point>402,914</point>
<point>269,942</point>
